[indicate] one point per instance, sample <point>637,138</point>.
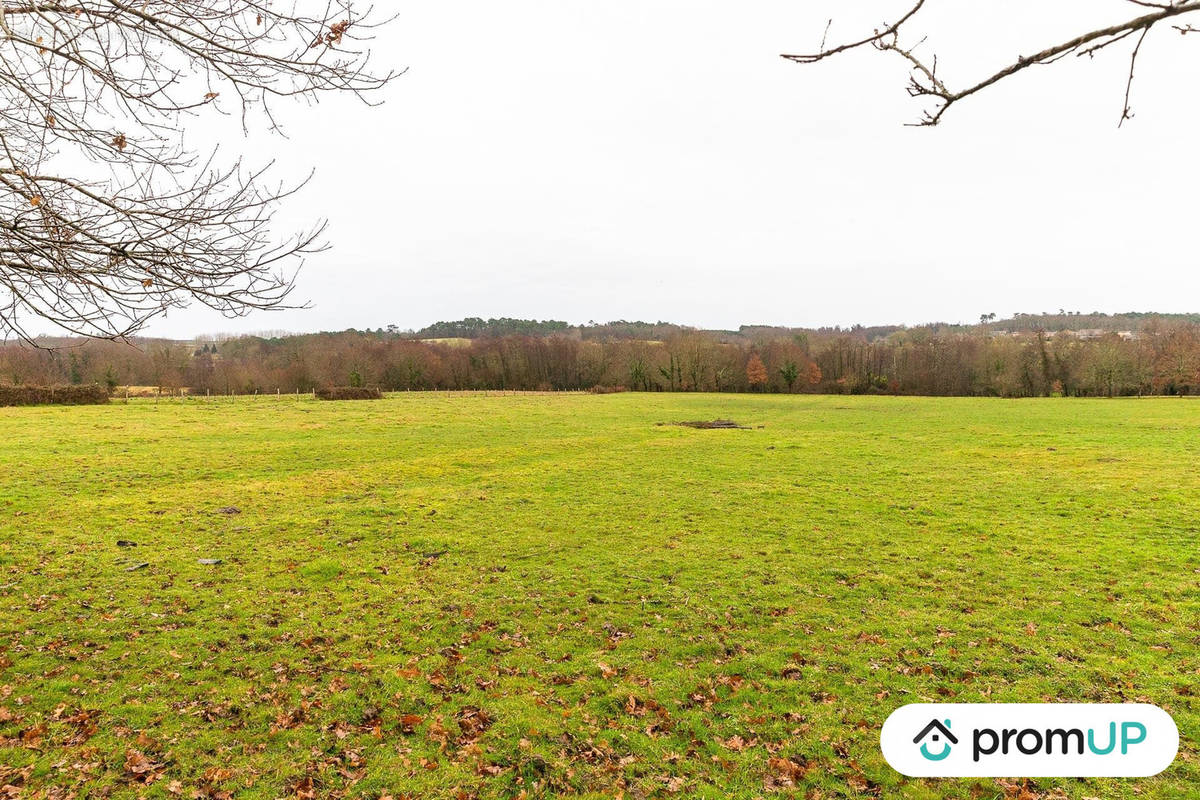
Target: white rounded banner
<point>1029,740</point>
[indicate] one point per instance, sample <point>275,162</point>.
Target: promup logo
<point>936,730</point>
<point>1029,740</point>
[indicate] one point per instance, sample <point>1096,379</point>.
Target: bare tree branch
<point>106,219</point>
<point>925,82</point>
<point>1126,113</point>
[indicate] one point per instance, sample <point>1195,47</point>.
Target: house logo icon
<point>935,731</point>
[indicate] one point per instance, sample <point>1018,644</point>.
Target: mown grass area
<point>475,596</point>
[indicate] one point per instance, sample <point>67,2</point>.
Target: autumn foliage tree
<point>813,373</point>
<point>756,372</point>
<point>107,218</point>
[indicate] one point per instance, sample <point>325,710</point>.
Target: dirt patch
<point>710,424</point>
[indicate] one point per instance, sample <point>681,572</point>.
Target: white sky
<point>656,159</point>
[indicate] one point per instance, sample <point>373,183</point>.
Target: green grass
<point>466,596</point>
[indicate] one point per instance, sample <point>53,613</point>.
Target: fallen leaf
<point>141,767</point>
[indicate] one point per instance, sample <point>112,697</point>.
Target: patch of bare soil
<point>710,424</point>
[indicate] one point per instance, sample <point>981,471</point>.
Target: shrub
<point>47,395</point>
<point>349,393</point>
<point>608,389</point>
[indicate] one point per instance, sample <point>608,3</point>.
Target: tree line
<point>1160,358</point>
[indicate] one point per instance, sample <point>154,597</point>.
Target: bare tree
<point>926,82</point>
<point>107,219</point>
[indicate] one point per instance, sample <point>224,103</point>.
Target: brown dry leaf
<point>1031,629</point>
<point>32,735</point>
<point>734,682</point>
<point>472,722</point>
<point>437,731</point>
<point>304,789</point>
<point>140,767</point>
<point>286,721</point>
<point>35,201</point>
<point>783,773</point>
<point>336,31</point>
<point>735,743</point>
<point>1018,790</point>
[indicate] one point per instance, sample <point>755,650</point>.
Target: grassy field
<point>476,596</point>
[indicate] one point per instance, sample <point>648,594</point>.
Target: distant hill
<point>477,328</point>
<point>1073,321</point>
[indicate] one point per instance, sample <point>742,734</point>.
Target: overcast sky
<point>655,159</point>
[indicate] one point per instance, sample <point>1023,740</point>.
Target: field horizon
<point>486,595</point>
